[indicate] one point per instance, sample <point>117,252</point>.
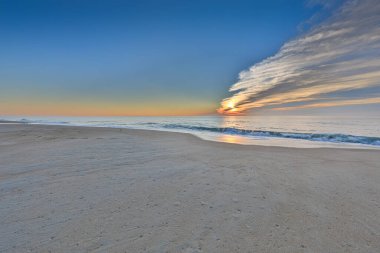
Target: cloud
<point>325,3</point>
<point>341,54</point>
<point>360,101</point>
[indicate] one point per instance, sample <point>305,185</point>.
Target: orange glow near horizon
<point>103,108</point>
<point>230,112</point>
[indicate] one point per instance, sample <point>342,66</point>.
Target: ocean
<point>287,131</point>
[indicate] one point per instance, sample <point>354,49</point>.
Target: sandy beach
<point>79,189</point>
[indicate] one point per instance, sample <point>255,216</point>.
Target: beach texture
<point>78,189</point>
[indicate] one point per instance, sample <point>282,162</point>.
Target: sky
<point>334,64</point>
<point>114,57</point>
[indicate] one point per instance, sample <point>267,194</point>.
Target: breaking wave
<point>336,138</point>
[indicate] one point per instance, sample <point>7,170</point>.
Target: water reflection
<point>232,139</point>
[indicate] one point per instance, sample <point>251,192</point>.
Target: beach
<point>88,189</point>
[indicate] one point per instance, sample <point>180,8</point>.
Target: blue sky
<point>136,55</point>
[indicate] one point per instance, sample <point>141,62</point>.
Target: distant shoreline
<point>11,122</point>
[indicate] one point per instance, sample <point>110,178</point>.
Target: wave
<point>192,127</point>
<point>324,137</point>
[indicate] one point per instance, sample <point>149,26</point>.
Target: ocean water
<point>288,131</point>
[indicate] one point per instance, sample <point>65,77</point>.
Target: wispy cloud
<point>360,101</point>
<point>341,54</point>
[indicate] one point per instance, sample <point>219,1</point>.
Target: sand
<point>78,189</point>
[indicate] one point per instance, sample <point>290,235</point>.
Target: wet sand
<point>79,189</point>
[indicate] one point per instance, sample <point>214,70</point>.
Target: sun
<point>229,108</point>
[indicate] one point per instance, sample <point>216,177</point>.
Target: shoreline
<point>87,189</point>
<point>326,145</point>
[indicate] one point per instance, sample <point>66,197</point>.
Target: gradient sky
<point>114,57</point>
